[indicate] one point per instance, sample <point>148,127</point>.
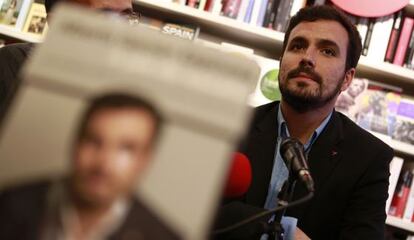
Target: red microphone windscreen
<point>240,176</point>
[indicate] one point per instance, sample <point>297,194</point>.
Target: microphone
<point>293,154</point>
<point>240,176</point>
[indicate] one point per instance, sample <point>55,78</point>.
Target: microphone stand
<point>274,228</point>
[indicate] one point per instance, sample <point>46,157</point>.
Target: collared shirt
<point>280,172</point>
<point>62,220</point>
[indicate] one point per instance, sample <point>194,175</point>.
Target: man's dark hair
<point>324,12</point>
<point>119,101</point>
<point>49,4</point>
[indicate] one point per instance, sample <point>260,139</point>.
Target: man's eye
<point>129,148</point>
<point>92,141</point>
<point>296,47</point>
<point>329,52</point>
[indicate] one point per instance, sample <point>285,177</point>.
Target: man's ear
<point>349,76</point>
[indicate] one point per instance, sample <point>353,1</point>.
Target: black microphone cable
<point>262,214</point>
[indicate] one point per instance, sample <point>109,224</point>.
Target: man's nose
<point>106,157</point>
<point>308,58</point>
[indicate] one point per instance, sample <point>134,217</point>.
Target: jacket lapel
<point>322,160</point>
<point>325,152</point>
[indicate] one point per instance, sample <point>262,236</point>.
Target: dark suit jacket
<point>12,58</point>
<point>350,168</point>
<point>22,210</point>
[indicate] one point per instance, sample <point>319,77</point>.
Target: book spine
<point>217,6</point>
<point>411,64</point>
<point>282,13</point>
<point>192,3</point>
<point>409,208</point>
<point>268,14</point>
<point>242,10</point>
<point>410,52</point>
<point>249,11</point>
<point>202,5</point>
<point>399,200</point>
<point>255,12</point>
<point>395,170</point>
<point>231,8</point>
<point>368,37</point>
<point>362,27</point>
<point>395,33</point>
<point>378,45</point>
<point>209,6</point>
<point>403,41</point>
<point>262,12</point>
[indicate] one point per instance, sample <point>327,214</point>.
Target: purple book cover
<point>378,108</point>
<point>404,129</point>
<point>249,11</point>
<point>262,12</point>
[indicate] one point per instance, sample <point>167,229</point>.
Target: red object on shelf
<point>400,197</point>
<point>371,8</point>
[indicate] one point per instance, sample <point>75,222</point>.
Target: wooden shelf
<point>387,73</point>
<point>11,32</point>
<point>396,145</point>
<point>224,27</point>
<point>400,223</point>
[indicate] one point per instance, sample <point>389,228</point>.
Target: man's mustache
<point>303,70</point>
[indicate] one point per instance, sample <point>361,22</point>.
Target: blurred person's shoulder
<point>23,198</point>
<point>21,210</point>
<point>12,57</point>
<point>142,222</point>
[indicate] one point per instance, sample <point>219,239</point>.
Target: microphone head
<point>287,145</point>
<point>239,177</point>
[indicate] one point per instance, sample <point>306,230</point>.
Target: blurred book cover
<point>88,113</point>
<point>379,105</point>
<point>404,129</point>
<point>349,101</point>
<point>36,20</point>
<point>14,12</point>
<point>371,105</point>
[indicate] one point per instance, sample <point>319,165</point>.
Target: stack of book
<point>273,14</point>
<point>389,38</point>
<point>28,16</point>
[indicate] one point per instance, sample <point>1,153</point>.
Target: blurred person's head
<point>321,49</point>
<point>113,147</point>
<point>114,5</point>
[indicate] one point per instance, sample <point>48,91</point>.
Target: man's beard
<point>303,101</point>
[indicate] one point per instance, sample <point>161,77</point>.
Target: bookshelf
<point>212,25</point>
<point>396,145</point>
<point>400,223</point>
<point>11,32</point>
<point>267,42</point>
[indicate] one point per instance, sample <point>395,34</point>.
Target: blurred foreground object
<point>201,92</point>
